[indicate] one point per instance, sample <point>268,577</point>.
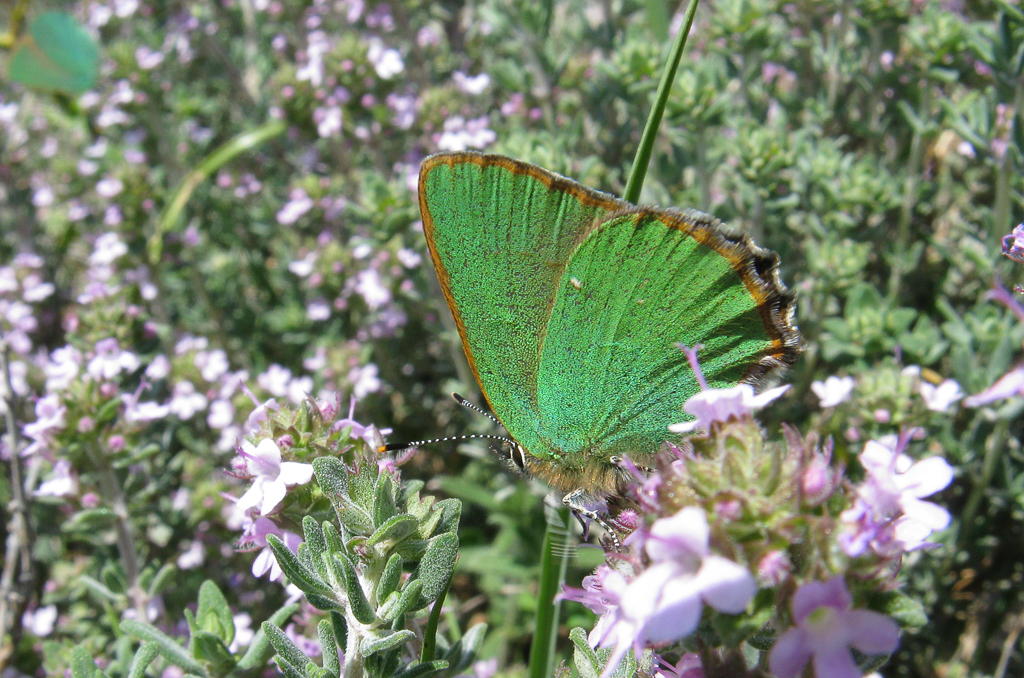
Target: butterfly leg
<point>583,506</point>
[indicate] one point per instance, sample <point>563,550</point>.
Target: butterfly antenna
<point>465,403</point>
<point>392,447</point>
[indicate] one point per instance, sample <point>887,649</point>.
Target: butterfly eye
<point>517,456</point>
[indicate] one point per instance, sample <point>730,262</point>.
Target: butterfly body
<point>571,305</point>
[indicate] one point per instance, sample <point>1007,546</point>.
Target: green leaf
<point>357,602</point>
<point>436,567</point>
<point>382,643</point>
<point>284,646</point>
<point>389,578</point>
<point>315,546</point>
<point>259,649</point>
<point>404,602</point>
<point>908,612</point>
<point>423,669</point>
<point>144,656</point>
<point>82,664</point>
<point>335,543</point>
<point>211,651</point>
<point>213,613</point>
<point>57,55</point>
<point>463,652</point>
<point>583,656</point>
<point>394,529</point>
<point>328,647</point>
<point>332,476</point>
<point>169,649</point>
<point>300,575</point>
<point>383,500</point>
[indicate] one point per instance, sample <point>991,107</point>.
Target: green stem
<point>1005,174</point>
<point>430,632</point>
<point>995,447</point>
<point>241,143</point>
<point>646,148</point>
<point>554,559</point>
<point>900,262</point>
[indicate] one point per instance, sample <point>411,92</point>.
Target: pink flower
<point>664,602</point>
<point>49,420</point>
<point>266,561</point>
<point>271,476</point>
<point>186,401</point>
<point>722,404</point>
<point>63,482</point>
<point>826,628</point>
<point>367,433</point>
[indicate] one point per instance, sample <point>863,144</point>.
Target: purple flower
<point>386,61</point>
<point>1009,385</point>
<point>688,666</point>
<point>664,602</point>
<point>1013,244</point>
<point>298,204</point>
<point>271,476</point>
<point>889,513</point>
<point>826,628</point>
<point>833,391</point>
<point>107,250</point>
<point>460,134</point>
<point>364,380</point>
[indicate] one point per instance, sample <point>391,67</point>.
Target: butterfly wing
<point>500,233</point>
<point>611,376</point>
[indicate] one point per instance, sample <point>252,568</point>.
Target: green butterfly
<point>571,305</point>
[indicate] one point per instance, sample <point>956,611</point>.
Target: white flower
<point>833,390</point>
<point>939,398</point>
<point>271,476</point>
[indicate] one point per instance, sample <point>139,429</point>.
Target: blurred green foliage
<point>876,146</point>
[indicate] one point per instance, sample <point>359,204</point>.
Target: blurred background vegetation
<point>876,146</point>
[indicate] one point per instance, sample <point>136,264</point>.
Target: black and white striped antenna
<point>393,447</point>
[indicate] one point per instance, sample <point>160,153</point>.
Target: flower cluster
<point>816,533</point>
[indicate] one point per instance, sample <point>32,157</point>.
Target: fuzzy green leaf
<point>169,649</point>
<point>389,578</point>
<point>357,602</point>
<point>405,602</point>
<point>259,651</point>
<point>384,500</point>
<point>394,529</point>
<point>284,646</point>
<point>328,647</point>
<point>583,656</point>
<point>144,656</point>
<point>213,613</point>
<point>82,664</point>
<point>212,652</point>
<point>315,545</point>
<point>436,567</point>
<point>384,642</point>
<point>423,669</point>
<point>293,568</point>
